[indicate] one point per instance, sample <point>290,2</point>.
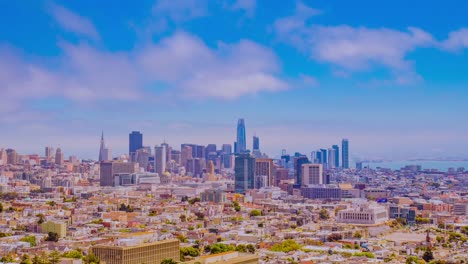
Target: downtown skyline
<point>262,61</point>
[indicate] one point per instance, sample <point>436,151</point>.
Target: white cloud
<point>456,40</point>
<point>180,10</point>
<point>353,49</point>
<point>182,62</point>
<point>248,6</point>
<point>197,71</point>
<point>73,22</point>
<point>296,22</point>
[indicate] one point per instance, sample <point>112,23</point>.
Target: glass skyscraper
<point>244,169</point>
<point>135,142</point>
<point>345,154</point>
<point>241,145</point>
<point>256,143</point>
<point>298,162</point>
<point>337,155</point>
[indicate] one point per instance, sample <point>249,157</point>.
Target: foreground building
<point>148,253</point>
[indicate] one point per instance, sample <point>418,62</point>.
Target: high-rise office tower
<point>256,147</point>
<point>59,157</point>
<point>345,154</point>
<point>298,162</point>
<point>135,141</point>
<point>331,158</point>
<point>168,151</point>
<point>200,152</point>
<point>324,158</point>
<point>240,142</point>
<point>49,153</point>
<point>210,151</point>
<point>185,155</point>
<point>226,151</point>
<point>337,155</point>
<point>175,156</point>
<point>312,174</point>
<point>104,152</point>
<point>264,175</point>
<point>160,159</point>
<point>256,143</point>
<point>318,157</point>
<point>12,156</point>
<point>195,166</point>
<point>3,156</point>
<point>226,148</point>
<point>244,169</point>
<point>142,157</point>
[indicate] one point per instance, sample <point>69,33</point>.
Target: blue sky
<point>390,76</point>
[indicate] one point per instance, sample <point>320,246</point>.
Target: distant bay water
<point>441,165</point>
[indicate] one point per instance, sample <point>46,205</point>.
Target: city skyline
<point>395,88</point>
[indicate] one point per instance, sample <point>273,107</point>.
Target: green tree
<point>357,235</point>
<point>91,259</point>
<point>255,212</point>
<point>286,246</point>
<point>40,259</point>
<point>25,259</point>
<point>7,258</point>
<point>168,261</point>
<point>52,237</point>
<point>414,260</point>
<point>41,218</point>
<point>250,248</point>
<point>324,214</point>
<point>194,200</point>
<point>236,206</point>
<point>464,230</point>
<point>54,257</point>
<point>428,256</point>
<point>241,248</point>
<point>31,239</point>
<point>76,254</point>
<point>189,251</point>
<point>220,248</point>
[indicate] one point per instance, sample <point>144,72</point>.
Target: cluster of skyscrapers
<point>252,169</point>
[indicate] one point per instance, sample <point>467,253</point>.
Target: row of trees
<point>53,258</point>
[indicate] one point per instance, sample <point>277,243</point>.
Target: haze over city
<point>185,71</point>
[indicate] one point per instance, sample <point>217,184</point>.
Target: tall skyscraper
<point>59,157</point>
<point>210,150</point>
<point>49,153</point>
<point>104,152</point>
<point>241,144</point>
<point>331,158</point>
<point>256,143</point>
<point>264,175</point>
<point>298,162</point>
<point>345,154</point>
<point>324,157</point>
<point>256,147</point>
<point>135,141</point>
<point>160,159</point>
<point>244,169</point>
<point>3,156</point>
<point>12,156</point>
<point>312,174</point>
<point>226,151</point>
<point>142,157</point>
<point>337,155</point>
<point>185,154</point>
